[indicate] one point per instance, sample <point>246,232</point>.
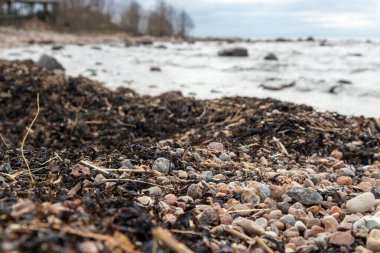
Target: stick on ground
<point>166,238</point>
<point>26,136</point>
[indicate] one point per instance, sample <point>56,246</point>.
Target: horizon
<point>255,19</point>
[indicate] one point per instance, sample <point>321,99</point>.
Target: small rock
<point>186,199</point>
<point>271,57</point>
<point>344,180</point>
<point>182,174</point>
<point>126,164</point>
<point>50,63</point>
<point>234,52</point>
<point>155,69</point>
<point>216,146</point>
<point>249,226</point>
<point>300,226</point>
<point>291,232</point>
<point>209,216</point>
<point>330,223</point>
<point>275,214</point>
<point>337,154</point>
<point>373,241</point>
<point>207,175</point>
<point>170,199</point>
<point>145,201</point>
<point>249,196</point>
<point>288,219</point>
<point>362,203</point>
<point>342,238</point>
<point>224,157</point>
<point>345,172</point>
<point>372,223</point>
<point>162,165</point>
<point>194,191</point>
<point>305,196</point>
<point>154,191</point>
<point>262,222</point>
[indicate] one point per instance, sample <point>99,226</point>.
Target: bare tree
<point>160,20</point>
<point>131,18</point>
<point>184,24</point>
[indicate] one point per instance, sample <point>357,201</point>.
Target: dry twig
<point>280,146</point>
<point>106,171</point>
<point>240,235</point>
<point>26,136</point>
<point>263,244</point>
<point>166,238</point>
<point>3,140</point>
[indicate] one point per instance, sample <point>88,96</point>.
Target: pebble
<point>216,146</point>
<point>337,154</point>
<point>263,192</point>
<point>154,191</point>
<point>249,226</point>
<point>300,226</point>
<point>145,200</point>
<point>362,203</point>
<point>275,214</point>
<point>126,164</point>
<point>194,191</point>
<point>344,180</point>
<point>262,222</point>
<point>182,174</point>
<point>209,216</point>
<point>373,241</point>
<point>288,219</point>
<point>170,199</point>
<point>330,224</point>
<point>207,175</point>
<point>305,196</point>
<point>291,232</point>
<point>372,223</point>
<point>345,172</point>
<point>186,199</point>
<point>376,192</point>
<point>342,238</point>
<point>249,196</point>
<point>308,183</point>
<point>162,165</point>
<point>224,157</point>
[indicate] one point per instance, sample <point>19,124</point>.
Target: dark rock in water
<point>310,39</point>
<point>305,196</point>
<point>49,62</point>
<point>57,47</point>
<point>271,57</point>
<point>155,69</point>
<point>344,81</point>
<point>162,47</point>
<point>234,52</point>
<point>96,48</point>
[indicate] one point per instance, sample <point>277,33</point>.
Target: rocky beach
<point>115,171</point>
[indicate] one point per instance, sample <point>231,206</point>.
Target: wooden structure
<point>13,10</point>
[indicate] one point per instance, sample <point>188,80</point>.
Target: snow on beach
<point>342,76</point>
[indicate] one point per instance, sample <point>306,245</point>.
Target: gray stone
<point>264,192</point>
<point>271,57</point>
<point>162,165</point>
<point>49,62</point>
<point>224,157</point>
<point>207,175</point>
<point>249,196</point>
<point>372,223</point>
<point>234,52</point>
<point>194,191</point>
<point>154,191</point>
<point>305,196</point>
<point>345,172</point>
<point>288,219</point>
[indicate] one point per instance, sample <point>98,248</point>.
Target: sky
<point>282,18</point>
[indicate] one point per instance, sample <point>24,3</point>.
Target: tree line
<point>104,15</point>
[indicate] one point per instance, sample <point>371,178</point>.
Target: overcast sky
<point>287,18</point>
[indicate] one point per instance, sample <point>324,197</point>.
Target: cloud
<point>340,20</point>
